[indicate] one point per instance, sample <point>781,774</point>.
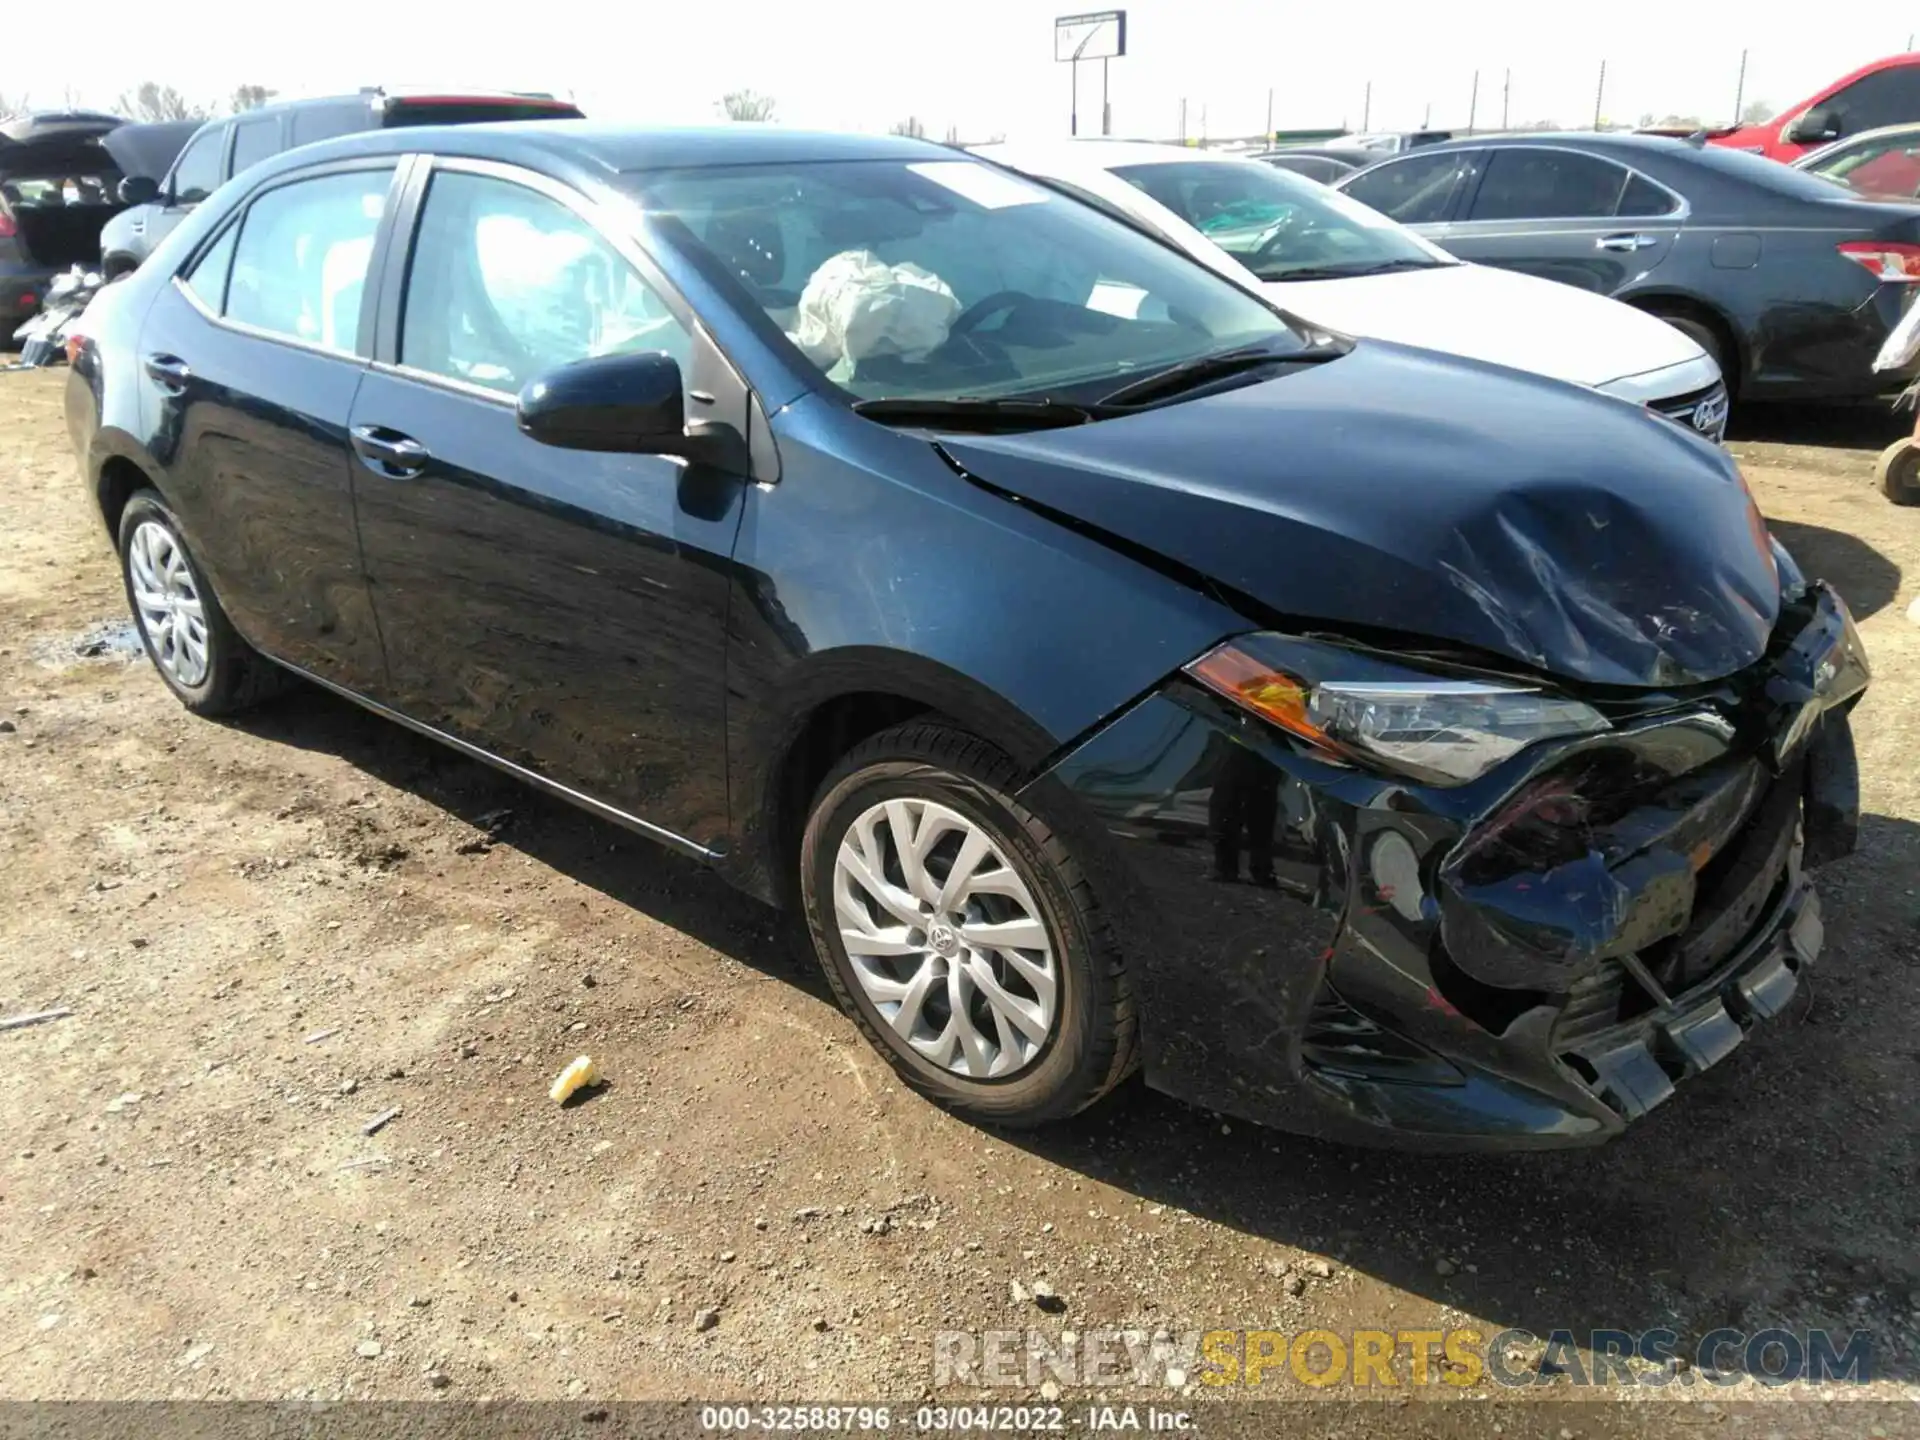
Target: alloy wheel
<point>943,935</point>
<point>168,604</point>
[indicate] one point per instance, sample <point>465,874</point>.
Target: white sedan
<point>1330,259</point>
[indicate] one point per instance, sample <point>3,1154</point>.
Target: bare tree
<point>910,126</point>
<point>154,101</point>
<point>748,105</point>
<point>1755,111</point>
<point>13,104</point>
<point>249,97</point>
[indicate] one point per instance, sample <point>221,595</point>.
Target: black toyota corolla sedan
<point>1116,672</point>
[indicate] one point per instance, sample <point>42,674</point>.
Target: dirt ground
<point>272,931</point>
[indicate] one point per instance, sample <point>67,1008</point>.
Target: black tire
<point>1898,472</point>
<point>237,676</point>
<point>1703,335</point>
<point>1093,1043</point>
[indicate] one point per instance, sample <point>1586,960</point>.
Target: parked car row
<point>1789,281</point>
<point>1321,255</point>
<point>1115,669</point>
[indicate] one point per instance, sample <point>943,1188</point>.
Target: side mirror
<point>626,403</point>
<point>1815,127</point>
<point>139,190</point>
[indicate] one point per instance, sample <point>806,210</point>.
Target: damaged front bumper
<point>1534,961</point>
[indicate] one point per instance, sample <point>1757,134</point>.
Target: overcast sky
<point>985,66</point>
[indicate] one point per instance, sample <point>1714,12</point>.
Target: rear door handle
<point>1625,242</point>
<point>169,372</point>
<point>388,453</point>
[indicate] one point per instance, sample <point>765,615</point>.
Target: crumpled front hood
<point>1402,491</point>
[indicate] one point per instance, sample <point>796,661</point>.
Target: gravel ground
<point>273,931</point>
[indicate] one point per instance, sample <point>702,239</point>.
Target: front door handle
<point>1628,243</point>
<point>169,372</point>
<point>388,453</point>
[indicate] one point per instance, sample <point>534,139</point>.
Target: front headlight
<point>1358,708</point>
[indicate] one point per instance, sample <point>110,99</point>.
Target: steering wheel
<point>978,313</point>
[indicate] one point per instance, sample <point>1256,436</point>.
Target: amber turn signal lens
<point>1259,687</point>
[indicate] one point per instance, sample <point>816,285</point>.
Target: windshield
<point>938,279</point>
<point>1279,225</point>
<point>1889,165</point>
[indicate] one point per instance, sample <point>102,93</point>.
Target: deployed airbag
<point>856,305</point>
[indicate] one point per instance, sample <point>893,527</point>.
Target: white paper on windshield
<point>1113,297</point>
<point>989,188</point>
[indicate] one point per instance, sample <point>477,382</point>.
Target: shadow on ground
<point>1781,1188</point>
<point>1864,425</point>
<point>1867,580</point>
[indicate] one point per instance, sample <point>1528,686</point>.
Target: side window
<point>1886,97</point>
<point>196,174</point>
<point>300,265</point>
<point>254,141</point>
<point>313,123</point>
<point>1414,191</point>
<point>505,283</point>
<point>1643,199</point>
<point>208,277</point>
<point>1523,183</point>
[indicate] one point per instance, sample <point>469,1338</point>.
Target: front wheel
<point>957,931</point>
<point>193,645</point>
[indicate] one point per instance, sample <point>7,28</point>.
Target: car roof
<point>605,147</point>
<point>1100,154</point>
<point>1718,181</point>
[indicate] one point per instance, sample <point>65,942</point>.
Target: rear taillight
<point>1893,260</point>
<point>7,228</point>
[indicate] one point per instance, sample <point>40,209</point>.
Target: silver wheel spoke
<point>975,848</point>
<point>942,935</point>
<point>1006,935</point>
<point>1023,1015</point>
<point>906,844</point>
<point>167,604</point>
<point>913,1002</point>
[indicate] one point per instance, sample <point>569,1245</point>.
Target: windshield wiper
<point>970,412</point>
<point>1348,272</point>
<point>1191,374</point>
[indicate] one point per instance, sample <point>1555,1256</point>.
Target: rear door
<point>561,609</point>
<point>249,360</point>
<point>1565,215</point>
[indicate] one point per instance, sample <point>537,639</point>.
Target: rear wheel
<point>957,930</point>
<point>192,644</point>
<point>1898,472</point>
<point>1703,335</point>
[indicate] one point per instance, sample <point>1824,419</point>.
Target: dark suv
<point>56,189</point>
<point>225,147</point>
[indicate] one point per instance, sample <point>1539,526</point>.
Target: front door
<point>563,610</point>
<point>1565,215</point>
<point>250,361</point>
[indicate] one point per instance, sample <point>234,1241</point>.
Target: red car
<point>1887,92</point>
